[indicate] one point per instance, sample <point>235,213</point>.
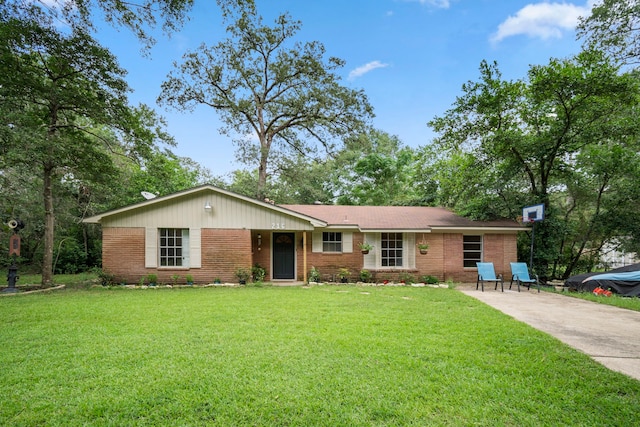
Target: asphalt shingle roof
<point>393,217</point>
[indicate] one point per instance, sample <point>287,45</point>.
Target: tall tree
<point>139,16</point>
<point>55,90</point>
<point>265,86</point>
<point>160,172</point>
<point>614,27</point>
<point>374,168</point>
<point>525,135</point>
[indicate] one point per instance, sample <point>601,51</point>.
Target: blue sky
<point>411,57</point>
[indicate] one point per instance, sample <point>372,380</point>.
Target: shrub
<point>70,257</point>
<point>344,274</point>
<point>106,278</point>
<point>365,276</point>
<point>407,278</point>
<point>314,275</point>
<point>243,274</point>
<point>430,280</point>
<point>258,273</point>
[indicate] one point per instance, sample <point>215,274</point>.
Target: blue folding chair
<point>520,273</point>
<point>486,273</point>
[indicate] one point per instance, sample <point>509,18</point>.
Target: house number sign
<point>277,226</point>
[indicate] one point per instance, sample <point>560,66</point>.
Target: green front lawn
<point>327,355</point>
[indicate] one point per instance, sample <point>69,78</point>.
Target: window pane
<point>170,246</point>
<point>392,249</point>
<point>331,241</point>
<point>472,250</point>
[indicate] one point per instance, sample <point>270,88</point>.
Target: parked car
<point>623,281</point>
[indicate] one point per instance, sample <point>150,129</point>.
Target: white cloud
<point>437,3</point>
<point>443,4</point>
<point>542,20</point>
<point>364,69</point>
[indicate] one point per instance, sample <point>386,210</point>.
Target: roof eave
<point>479,229</point>
<point>96,219</point>
<point>395,230</point>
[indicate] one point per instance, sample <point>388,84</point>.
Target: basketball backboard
<point>533,213</point>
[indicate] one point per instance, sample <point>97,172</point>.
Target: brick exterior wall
<point>123,251</point>
<point>431,263</point>
<point>329,264</point>
<point>443,260</point>
<point>261,251</point>
<point>222,252</point>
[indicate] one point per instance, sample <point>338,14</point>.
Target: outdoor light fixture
<point>207,207</point>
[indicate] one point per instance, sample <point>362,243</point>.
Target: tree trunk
<point>262,169</point>
<point>49,222</point>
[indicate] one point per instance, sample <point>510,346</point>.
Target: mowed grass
<point>322,356</point>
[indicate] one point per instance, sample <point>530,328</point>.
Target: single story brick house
<point>208,233</point>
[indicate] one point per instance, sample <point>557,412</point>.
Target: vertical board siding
<point>225,213</point>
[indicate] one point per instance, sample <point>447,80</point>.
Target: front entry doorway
<point>284,256</point>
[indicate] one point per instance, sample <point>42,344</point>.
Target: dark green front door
<point>284,254</point>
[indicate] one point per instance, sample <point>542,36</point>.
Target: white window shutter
<point>151,248</point>
<point>371,260</point>
<point>410,243</point>
<point>317,241</point>
<point>195,248</point>
<point>347,243</point>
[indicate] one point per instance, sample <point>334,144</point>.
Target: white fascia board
<point>396,230</point>
<point>480,229</point>
<point>339,227</point>
<point>98,218</point>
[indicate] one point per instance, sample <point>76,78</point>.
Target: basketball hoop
<point>525,221</point>
<point>532,214</point>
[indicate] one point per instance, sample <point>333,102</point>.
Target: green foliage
<point>407,278</point>
<point>365,276</point>
<point>314,275</point>
<point>430,280</point>
<point>64,101</point>
<point>344,274</point>
<point>152,279</point>
<point>258,273</point>
<point>364,246</point>
<point>287,95</point>
<point>106,278</point>
<point>243,274</point>
<point>612,26</point>
<point>139,18</point>
<point>374,169</point>
<point>299,179</point>
<point>160,172</point>
<point>561,137</point>
<point>70,257</point>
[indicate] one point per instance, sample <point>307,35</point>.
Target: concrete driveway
<point>610,335</point>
